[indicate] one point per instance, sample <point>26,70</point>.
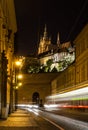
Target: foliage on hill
<point>33,66</point>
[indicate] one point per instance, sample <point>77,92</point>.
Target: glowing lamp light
<point>19,84</point>
<point>20,76</point>
<point>18,63</point>
<point>16,87</point>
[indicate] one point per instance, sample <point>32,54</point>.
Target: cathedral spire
<point>45,32</point>
<point>58,40</point>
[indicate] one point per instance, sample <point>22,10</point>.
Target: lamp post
<point>17,79</point>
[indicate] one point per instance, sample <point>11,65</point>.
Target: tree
<point>54,70</point>
<point>48,64</point>
<point>31,65</point>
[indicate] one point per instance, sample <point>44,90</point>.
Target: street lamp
<point>18,63</point>
<point>19,84</point>
<point>18,77</point>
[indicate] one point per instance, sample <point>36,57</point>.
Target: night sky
<point>67,17</point>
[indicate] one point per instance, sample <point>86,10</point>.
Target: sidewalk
<point>19,120</point>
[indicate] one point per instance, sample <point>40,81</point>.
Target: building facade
<point>82,57</point>
<point>8,28</point>
<point>75,78</point>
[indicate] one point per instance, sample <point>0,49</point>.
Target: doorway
<point>35,98</point>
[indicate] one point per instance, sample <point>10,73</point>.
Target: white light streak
<point>68,95</point>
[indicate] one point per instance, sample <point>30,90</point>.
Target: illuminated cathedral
<point>56,52</point>
<point>45,44</point>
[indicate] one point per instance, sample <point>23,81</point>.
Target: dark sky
<point>64,16</point>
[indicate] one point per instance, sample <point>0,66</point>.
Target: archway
<point>35,98</point>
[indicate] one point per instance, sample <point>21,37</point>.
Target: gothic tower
<point>45,42</point>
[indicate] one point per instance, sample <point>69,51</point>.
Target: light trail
<point>36,112</point>
<point>66,122</point>
<point>79,93</point>
<point>53,123</point>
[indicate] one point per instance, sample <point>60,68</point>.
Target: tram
<point>76,99</point>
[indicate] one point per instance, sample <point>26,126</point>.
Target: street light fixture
<point>16,87</point>
<point>19,84</point>
<point>18,77</point>
<point>18,63</point>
